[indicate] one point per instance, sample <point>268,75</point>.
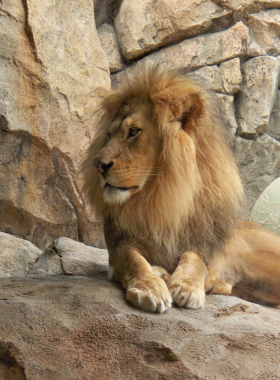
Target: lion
<point>162,176</point>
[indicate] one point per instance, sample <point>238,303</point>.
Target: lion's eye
<point>133,132</point>
<point>109,136</point>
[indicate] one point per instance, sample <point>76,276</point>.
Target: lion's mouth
<point>109,186</point>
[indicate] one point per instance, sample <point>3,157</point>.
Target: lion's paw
<point>185,294</point>
<point>149,293</point>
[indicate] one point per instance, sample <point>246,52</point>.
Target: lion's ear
<point>193,112</point>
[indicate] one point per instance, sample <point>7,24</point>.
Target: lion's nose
<point>102,167</point>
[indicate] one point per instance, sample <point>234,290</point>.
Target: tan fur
<point>171,191</point>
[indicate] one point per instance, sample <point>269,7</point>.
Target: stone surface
<point>259,164</point>
<point>66,256</point>
<point>109,42</point>
<point>63,327</point>
<point>226,103</point>
<point>267,208</point>
<point>257,96</point>
<point>274,121</point>
<point>254,49</point>
<point>264,27</point>
<point>51,67</point>
<point>208,76</point>
<point>231,76</point>
<point>205,50</point>
<point>160,23</point>
<point>17,256</point>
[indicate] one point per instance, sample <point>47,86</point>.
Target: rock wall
<point>54,63</point>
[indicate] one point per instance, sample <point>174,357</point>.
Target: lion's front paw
<point>149,293</point>
<point>185,293</point>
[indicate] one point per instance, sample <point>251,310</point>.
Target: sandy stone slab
<point>63,327</point>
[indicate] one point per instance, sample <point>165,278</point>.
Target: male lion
<point>161,174</point>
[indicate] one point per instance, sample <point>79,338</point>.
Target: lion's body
<point>166,184</point>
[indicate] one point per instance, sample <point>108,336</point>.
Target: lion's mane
<point>195,196</point>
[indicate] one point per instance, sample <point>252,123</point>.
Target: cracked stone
<point>17,256</point>
<point>257,96</point>
<point>160,23</point>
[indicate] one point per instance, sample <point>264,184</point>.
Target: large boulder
<point>17,256</point>
<point>51,69</point>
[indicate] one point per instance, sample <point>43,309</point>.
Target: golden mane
<point>196,192</point>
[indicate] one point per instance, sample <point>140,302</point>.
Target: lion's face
<point>129,158</point>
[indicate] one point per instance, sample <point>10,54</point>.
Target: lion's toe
<point>155,299</point>
<point>187,296</point>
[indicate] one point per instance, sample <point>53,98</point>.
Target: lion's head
<point>161,163</point>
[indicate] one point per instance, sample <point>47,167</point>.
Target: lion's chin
<point>117,195</point>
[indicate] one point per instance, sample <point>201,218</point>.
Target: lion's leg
<point>144,288</point>
<point>186,284</point>
<point>161,272</point>
<point>215,285</point>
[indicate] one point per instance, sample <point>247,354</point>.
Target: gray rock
<point>226,103</point>
<point>209,76</point>
<point>17,256</point>
<point>66,256</point>
<point>160,23</point>
<point>274,120</point>
<point>109,42</point>
<point>70,328</point>
<point>257,96</point>
<point>259,164</point>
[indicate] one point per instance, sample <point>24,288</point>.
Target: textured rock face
<point>66,256</point>
<point>164,22</point>
<point>90,332</point>
<point>256,100</point>
<point>54,66</point>
<point>259,165</point>
<point>206,50</point>
<point>51,68</point>
<point>17,256</point>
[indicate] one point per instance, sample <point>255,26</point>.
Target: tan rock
<point>257,96</point>
<point>246,6</point>
<point>264,27</point>
<point>163,22</point>
<point>109,42</point>
<point>51,70</point>
<point>209,76</point>
<point>254,49</point>
<point>65,327</point>
<point>17,256</point>
<point>231,75</point>
<point>206,50</point>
